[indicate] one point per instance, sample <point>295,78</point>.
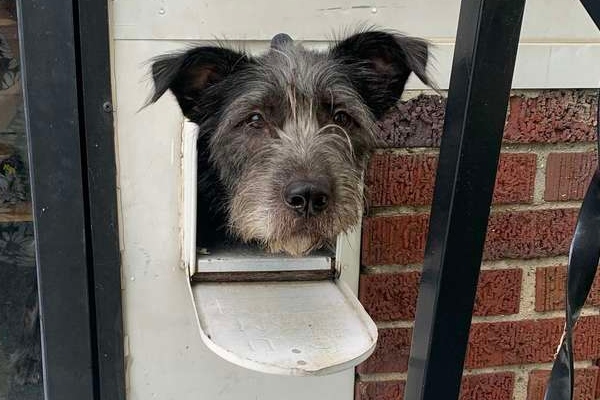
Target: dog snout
<point>307,197</point>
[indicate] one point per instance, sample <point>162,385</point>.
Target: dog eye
<point>256,121</point>
<point>342,118</point>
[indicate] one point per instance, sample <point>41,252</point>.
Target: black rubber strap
<point>583,263</point>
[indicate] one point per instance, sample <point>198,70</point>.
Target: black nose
<point>307,197</point>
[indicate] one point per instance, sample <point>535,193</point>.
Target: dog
<point>284,137</point>
<point>284,140</point>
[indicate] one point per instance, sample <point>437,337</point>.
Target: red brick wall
<point>547,160</point>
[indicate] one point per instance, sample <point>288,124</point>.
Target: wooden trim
<point>276,276</point>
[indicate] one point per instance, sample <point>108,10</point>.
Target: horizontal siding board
<point>538,66</point>
<point>317,19</point>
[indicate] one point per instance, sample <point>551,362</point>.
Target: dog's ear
<point>380,64</point>
<point>193,75</point>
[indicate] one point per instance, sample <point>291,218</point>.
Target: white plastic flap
<point>190,173</point>
<point>290,328</point>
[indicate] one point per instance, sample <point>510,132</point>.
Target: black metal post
<point>66,74</point>
<point>593,8</point>
<point>98,148</point>
<point>49,70</point>
<point>483,64</point>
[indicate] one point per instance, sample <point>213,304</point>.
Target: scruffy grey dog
<point>285,136</point>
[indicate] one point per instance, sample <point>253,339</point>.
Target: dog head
<point>288,133</point>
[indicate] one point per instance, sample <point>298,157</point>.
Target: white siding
<point>560,44</point>
<point>545,20</point>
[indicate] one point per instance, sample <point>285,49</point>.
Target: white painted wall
<point>560,46</point>
<point>165,356</point>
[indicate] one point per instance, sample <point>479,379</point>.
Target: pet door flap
<point>291,328</point>
<point>272,314</point>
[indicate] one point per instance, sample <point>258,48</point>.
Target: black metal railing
<point>483,63</point>
<point>67,91</point>
<point>487,38</point>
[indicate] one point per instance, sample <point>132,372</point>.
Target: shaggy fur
<point>285,136</point>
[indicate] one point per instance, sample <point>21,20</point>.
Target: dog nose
<point>307,197</point>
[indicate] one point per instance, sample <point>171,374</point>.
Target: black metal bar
<point>99,150</point>
<point>582,267</point>
<point>593,8</point>
<point>49,64</point>
<point>483,64</point>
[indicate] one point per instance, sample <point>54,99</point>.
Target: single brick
<point>417,122</point>
<point>401,239</point>
<point>394,240</point>
<point>515,179</point>
<point>498,292</point>
<point>408,179</point>
<point>550,289</point>
<point>492,386</point>
<point>529,341</point>
<point>568,175</point>
<point>585,384</point>
<point>382,390</point>
<point>393,296</point>
<point>394,179</point>
<point>530,234</point>
<point>388,297</point>
<point>391,352</point>
<point>553,116</point>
